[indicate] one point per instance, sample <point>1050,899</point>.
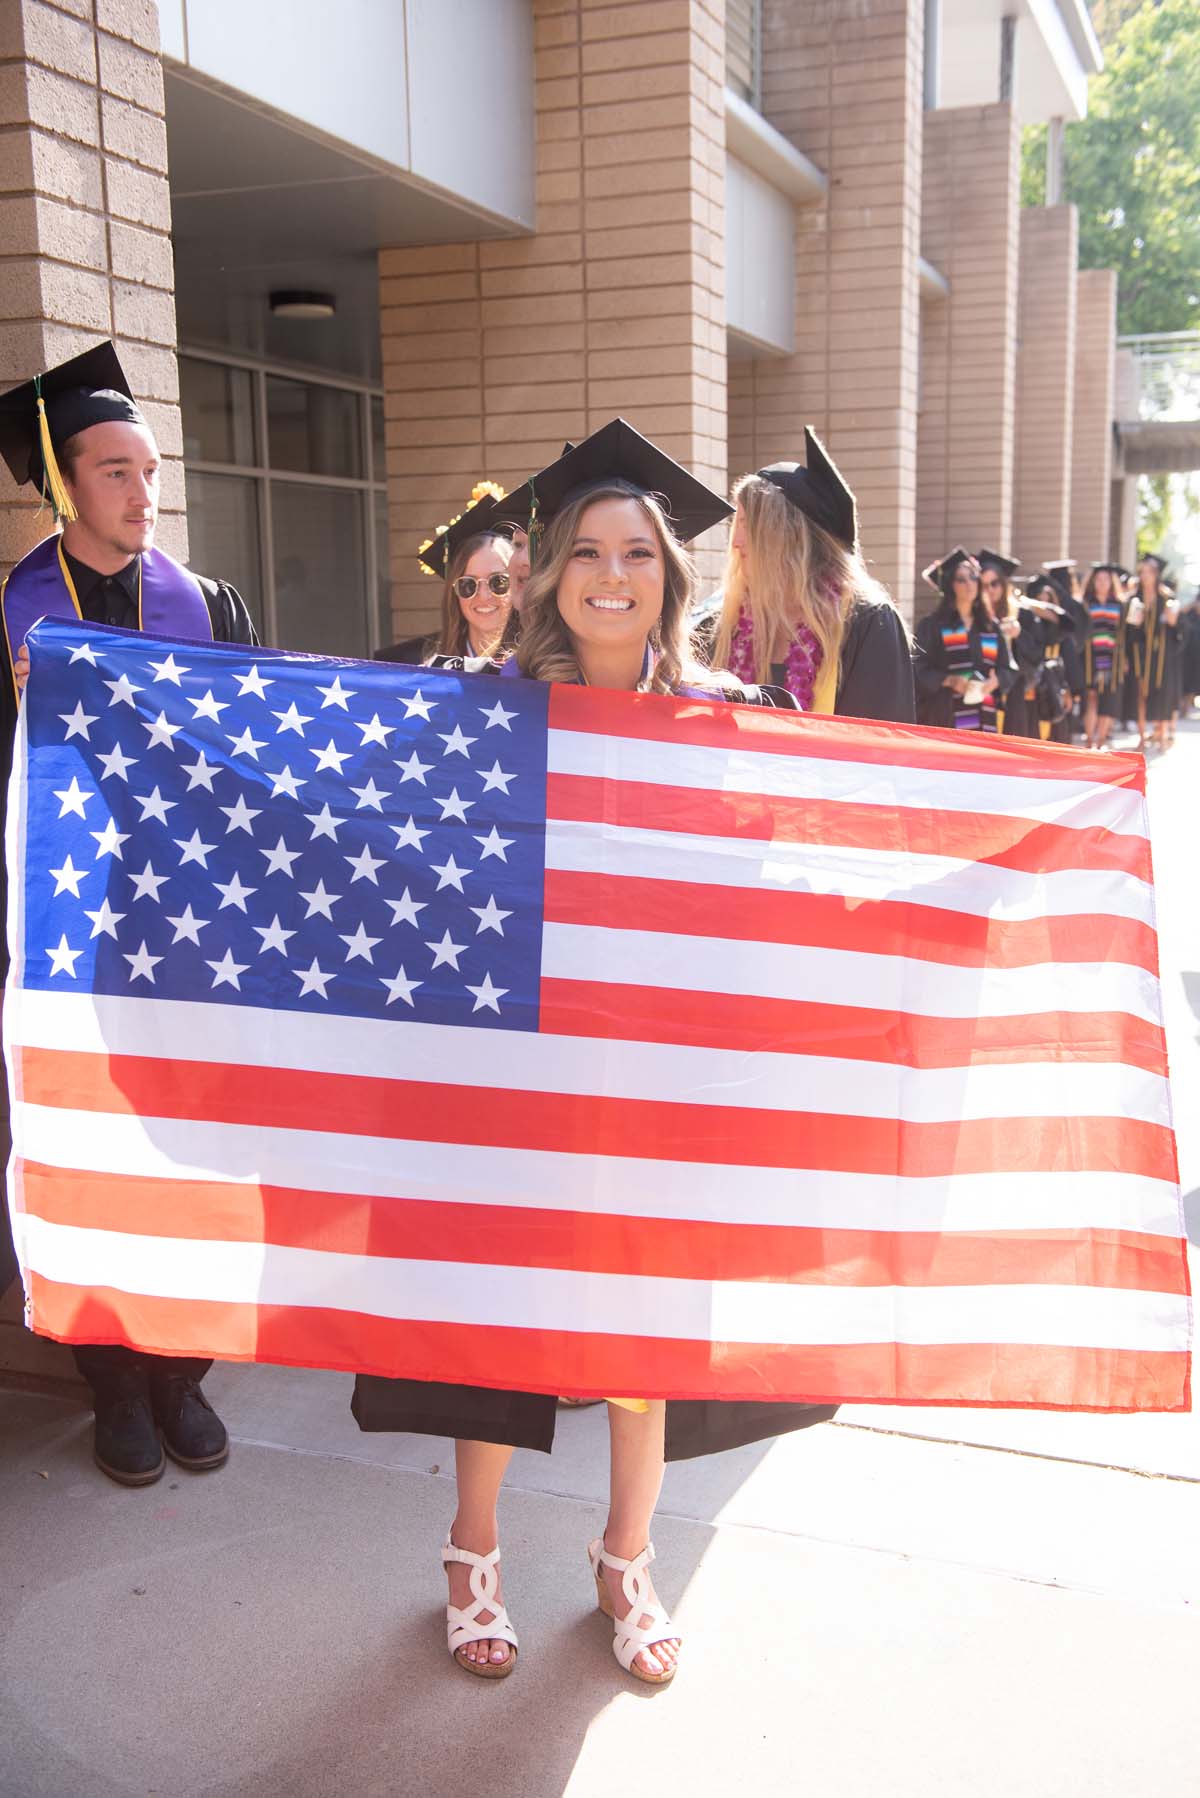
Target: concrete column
<point>85,220</point>
<point>843,80</point>
<point>494,352</point>
<point>1095,369</point>
<point>971,191</point>
<point>1046,383</point>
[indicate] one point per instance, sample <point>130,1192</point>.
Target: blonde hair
<point>454,638</point>
<point>792,573</point>
<point>545,650</point>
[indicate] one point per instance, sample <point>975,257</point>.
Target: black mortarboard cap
<point>617,452</point>
<point>1004,565</point>
<point>1039,584</point>
<point>477,518</point>
<point>90,389</point>
<point>1158,561</point>
<point>940,575</point>
<point>818,490</point>
<point>1116,569</point>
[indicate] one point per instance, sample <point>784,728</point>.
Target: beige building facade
<point>430,245</point>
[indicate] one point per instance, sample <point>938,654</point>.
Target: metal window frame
<point>264,474</point>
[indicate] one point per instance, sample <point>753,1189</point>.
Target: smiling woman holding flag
<point>607,606</point>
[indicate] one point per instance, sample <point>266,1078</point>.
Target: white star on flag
<point>116,762</point>
<point>240,816</point>
<point>292,719</point>
<point>312,980</point>
<point>161,732</point>
<point>286,782</point>
<point>454,807</point>
<point>446,953</point>
<point>419,707</point>
<point>74,798</point>
<point>147,883</point>
<point>495,777</point>
<point>408,835</point>
<point>496,715</point>
<point>68,877</point>
<point>451,874</point>
<point>200,772</point>
<point>456,743</point>
<point>413,768</point>
<point>335,695</point>
<point>188,926</point>
<point>142,964</point>
<point>169,670</point>
<point>63,959</point>
<point>490,917</point>
<point>252,683</point>
<point>280,859</point>
<point>364,865</point>
<point>494,844</point>
<point>193,850</point>
<point>246,744</point>
<point>376,732</point>
<point>400,986</point>
<point>105,921</point>
<point>155,806</point>
<point>320,901</point>
<point>226,972</point>
<point>487,996</point>
<point>360,944</point>
<point>329,757</point>
<point>370,796</point>
<point>122,691</point>
<point>233,892</point>
<point>109,840</point>
<point>209,707</point>
<point>324,824</point>
<point>273,935</point>
<point>405,909</point>
<point>83,652</point>
<point>77,723</point>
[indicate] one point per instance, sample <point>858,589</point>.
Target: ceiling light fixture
<point>300,303</point>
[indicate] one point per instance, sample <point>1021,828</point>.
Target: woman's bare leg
<point>635,1483</point>
<point>480,1467</point>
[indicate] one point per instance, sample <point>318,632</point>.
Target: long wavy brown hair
<point>454,638</point>
<point>545,650</point>
<point>792,573</point>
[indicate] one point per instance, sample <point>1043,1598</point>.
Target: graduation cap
<point>616,453</point>
<point>1116,569</point>
<point>1159,563</point>
<point>1040,584</point>
<point>1003,565</point>
<point>38,417</point>
<point>435,553</point>
<point>818,490</point>
<point>940,575</point>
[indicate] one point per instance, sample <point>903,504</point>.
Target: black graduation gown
<point>1157,661</point>
<point>875,678</point>
<point>945,647</point>
<point>1104,654</point>
<point>1189,637</point>
<point>527,1419</point>
<point>1027,652</point>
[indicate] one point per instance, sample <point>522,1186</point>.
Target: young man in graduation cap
<point>76,435</point>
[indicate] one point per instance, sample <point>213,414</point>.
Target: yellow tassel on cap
<point>60,499</point>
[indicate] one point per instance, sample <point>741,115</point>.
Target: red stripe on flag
<point>829,921</point>
<point>848,1032</point>
<point>685,1249</point>
<point>586,1124</point>
<point>650,717</point>
<point>1046,1377</point>
<point>989,840</point>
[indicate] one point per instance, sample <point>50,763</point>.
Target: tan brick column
<point>842,80</point>
<point>971,189</point>
<point>1046,383</point>
<point>494,352</point>
<point>1095,370</point>
<point>85,219</point>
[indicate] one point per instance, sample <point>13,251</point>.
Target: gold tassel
<point>60,499</point>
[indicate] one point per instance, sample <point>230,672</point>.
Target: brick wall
<point>85,218</point>
<point>494,352</point>
<point>969,232</point>
<point>842,79</point>
<point>1095,368</point>
<point>1045,383</point>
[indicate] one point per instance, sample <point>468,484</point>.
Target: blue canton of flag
<point>212,822</point>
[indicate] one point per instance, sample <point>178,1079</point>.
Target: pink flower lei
<point>802,666</point>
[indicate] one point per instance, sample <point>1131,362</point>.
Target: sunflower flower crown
<point>481,490</point>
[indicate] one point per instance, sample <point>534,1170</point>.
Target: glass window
<point>383,572</point>
<point>314,430</point>
<point>378,440</point>
<point>320,577</point>
<point>217,407</point>
<point>223,534</point>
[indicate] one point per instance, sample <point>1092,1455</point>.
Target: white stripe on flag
<point>624,1186</point>
<point>617,1304</point>
<point>945,882</point>
<point>249,1036</point>
<point>674,764</point>
<point>843,976</point>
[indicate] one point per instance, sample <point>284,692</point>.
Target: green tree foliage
<point>1133,165</point>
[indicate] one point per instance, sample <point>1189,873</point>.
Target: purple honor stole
<point>170,600</point>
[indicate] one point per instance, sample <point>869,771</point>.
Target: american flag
<point>473,1029</point>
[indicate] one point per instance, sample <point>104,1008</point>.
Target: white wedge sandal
<point>630,1635</point>
<point>462,1622</point>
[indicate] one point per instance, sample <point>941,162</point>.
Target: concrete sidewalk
<point>906,1603</point>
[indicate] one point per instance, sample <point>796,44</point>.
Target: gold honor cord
<point>60,499</point>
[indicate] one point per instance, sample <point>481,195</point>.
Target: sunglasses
<point>467,585</point>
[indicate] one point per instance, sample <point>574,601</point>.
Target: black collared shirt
<point>106,598</point>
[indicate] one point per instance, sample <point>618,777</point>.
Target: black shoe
<point>126,1445</point>
<point>192,1432</point>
